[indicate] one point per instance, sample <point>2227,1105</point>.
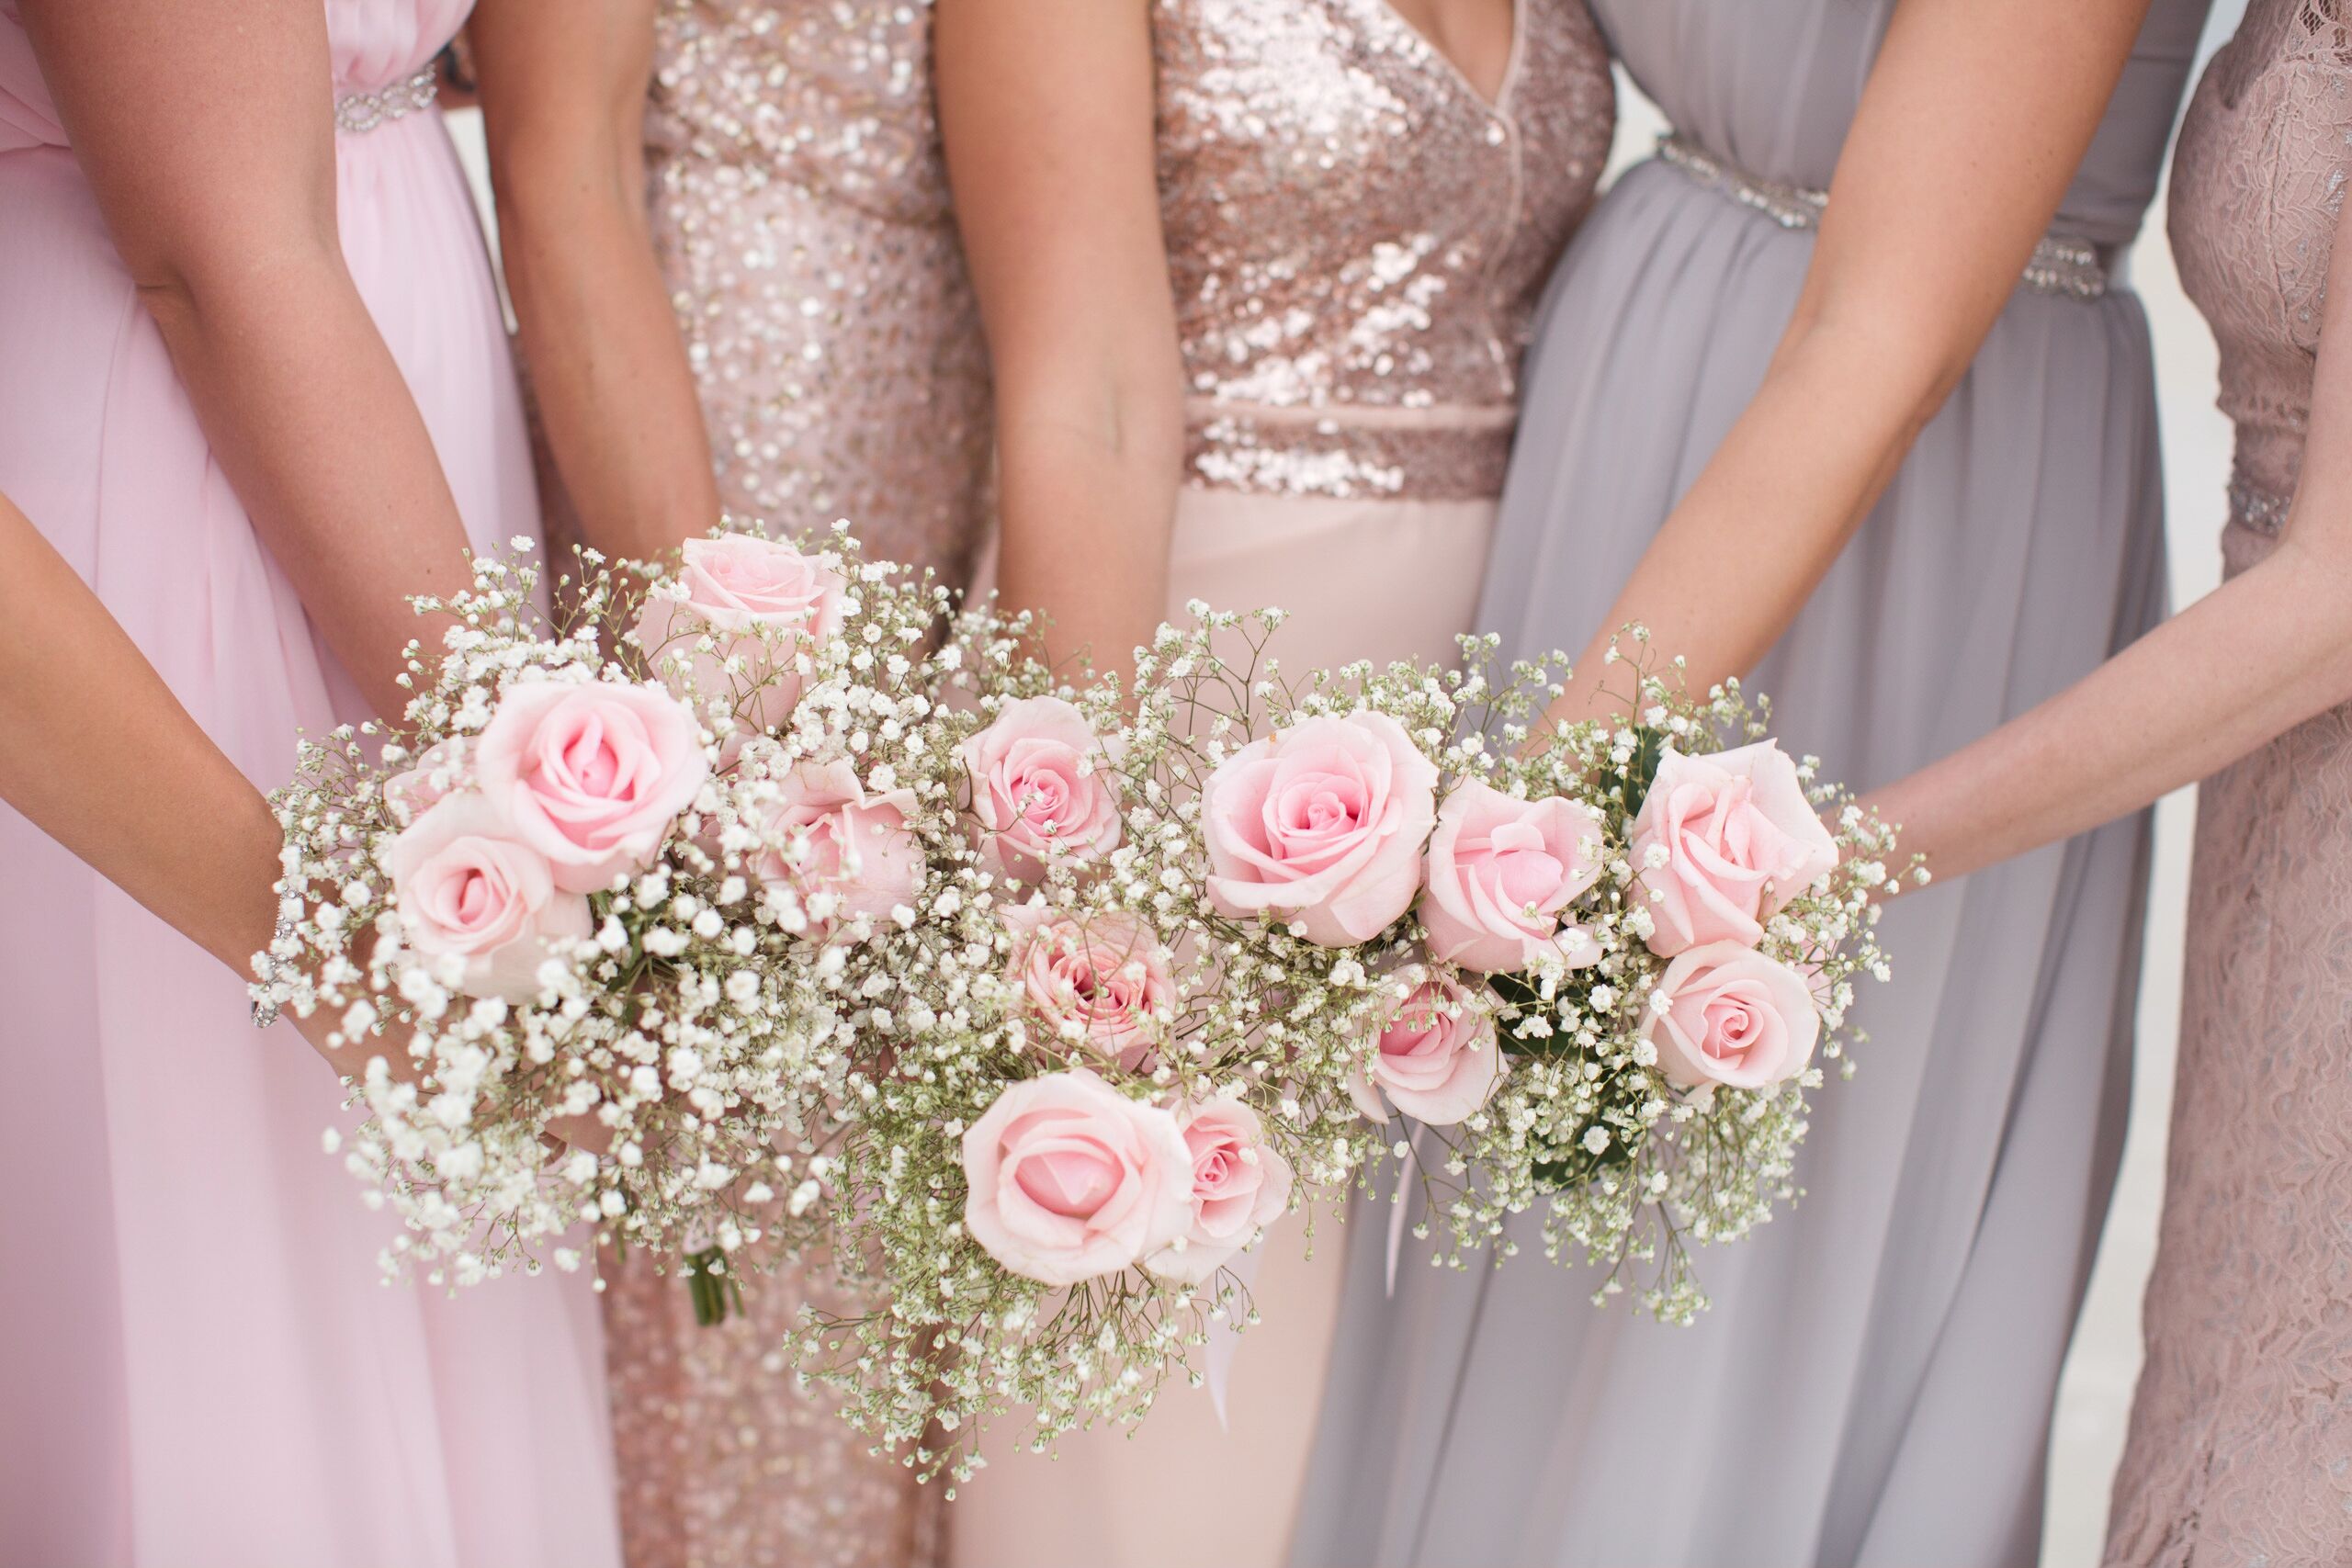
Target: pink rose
<point>1105,976</point>
<point>1732,1017</point>
<point>591,776</point>
<point>859,859</point>
<point>752,598</point>
<point>1739,841</point>
<point>1499,873</point>
<point>1321,823</point>
<point>1239,1187</point>
<point>440,771</point>
<point>1070,1179</point>
<point>1039,789</point>
<point>468,887</point>
<point>1439,1059</point>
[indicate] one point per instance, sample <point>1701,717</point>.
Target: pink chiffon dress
<point>199,1361</point>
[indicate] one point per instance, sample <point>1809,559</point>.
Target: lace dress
<point>800,212</point>
<point>2241,1443</point>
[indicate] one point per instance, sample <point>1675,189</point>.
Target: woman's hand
<point>563,85</point>
<point>2266,651</point>
<point>1971,127</point>
<point>1048,110</point>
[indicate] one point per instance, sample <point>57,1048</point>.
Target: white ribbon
<point>1396,1208</point>
<point>1225,1335</point>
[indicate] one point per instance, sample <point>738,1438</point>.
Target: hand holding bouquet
<point>809,913</point>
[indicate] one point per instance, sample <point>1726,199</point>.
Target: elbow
<point>1900,348</point>
<point>1118,422</point>
<point>193,287</point>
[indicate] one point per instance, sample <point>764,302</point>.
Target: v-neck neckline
<point>1497,106</point>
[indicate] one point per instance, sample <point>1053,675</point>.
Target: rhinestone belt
<point>2067,267</point>
<point>359,113</point>
<point>2258,508</point>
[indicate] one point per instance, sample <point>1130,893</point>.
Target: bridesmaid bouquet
<point>766,901</point>
<point>588,913</point>
<point>1212,942</point>
<point>1127,1046</point>
<point>1656,930</point>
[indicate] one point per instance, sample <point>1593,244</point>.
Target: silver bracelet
<point>268,970</point>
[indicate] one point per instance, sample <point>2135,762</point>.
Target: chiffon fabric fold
<point>1875,1381</point>
<point>199,1362</point>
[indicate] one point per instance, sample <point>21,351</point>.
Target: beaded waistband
<point>1348,454</point>
<point>2258,508</point>
<point>358,112</point>
<point>2061,265</point>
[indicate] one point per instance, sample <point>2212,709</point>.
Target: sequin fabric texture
<point>800,213</point>
<point>1357,238</point>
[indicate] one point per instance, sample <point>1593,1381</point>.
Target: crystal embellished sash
<point>358,112</point>
<point>2061,265</point>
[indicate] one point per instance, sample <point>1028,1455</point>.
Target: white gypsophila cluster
<point>874,939</point>
<point>1251,1013</point>
<point>650,1086</point>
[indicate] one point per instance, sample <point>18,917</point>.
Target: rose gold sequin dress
<point>2241,1444</point>
<point>1357,239</point>
<point>800,214</point>
<point>800,210</point>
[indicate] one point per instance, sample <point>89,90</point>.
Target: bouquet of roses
<point>761,902</point>
<point>1652,924</point>
<point>1113,1046</point>
<point>581,914</point>
<point>1202,941</point>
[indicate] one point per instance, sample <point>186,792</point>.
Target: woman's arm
<point>144,798</point>
<point>1969,131</point>
<point>2266,651</point>
<point>207,130</point>
<point>1047,109</point>
<point>563,85</point>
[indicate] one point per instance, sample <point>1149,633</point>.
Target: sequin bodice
<point>800,210</point>
<point>833,95</point>
<point>2257,184</point>
<point>1357,238</point>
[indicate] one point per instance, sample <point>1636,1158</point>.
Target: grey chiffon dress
<point>1875,1381</point>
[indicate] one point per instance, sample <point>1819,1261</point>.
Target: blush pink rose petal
<point>1069,1180</point>
<point>1241,1185</point>
<point>591,776</point>
<point>859,859</point>
<point>467,888</point>
<point>1734,1017</point>
<point>1039,788</point>
<point>1738,839</point>
<point>1500,872</point>
<point>441,771</point>
<point>754,599</point>
<point>1107,978</point>
<point>1321,824</point>
<point>1440,1060</point>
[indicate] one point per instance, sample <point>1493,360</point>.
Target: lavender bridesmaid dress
<point>1875,1382</point>
<point>198,1362</point>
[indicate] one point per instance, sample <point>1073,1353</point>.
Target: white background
<point>2095,1398</point>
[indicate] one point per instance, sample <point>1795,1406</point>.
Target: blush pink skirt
<point>1379,579</point>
